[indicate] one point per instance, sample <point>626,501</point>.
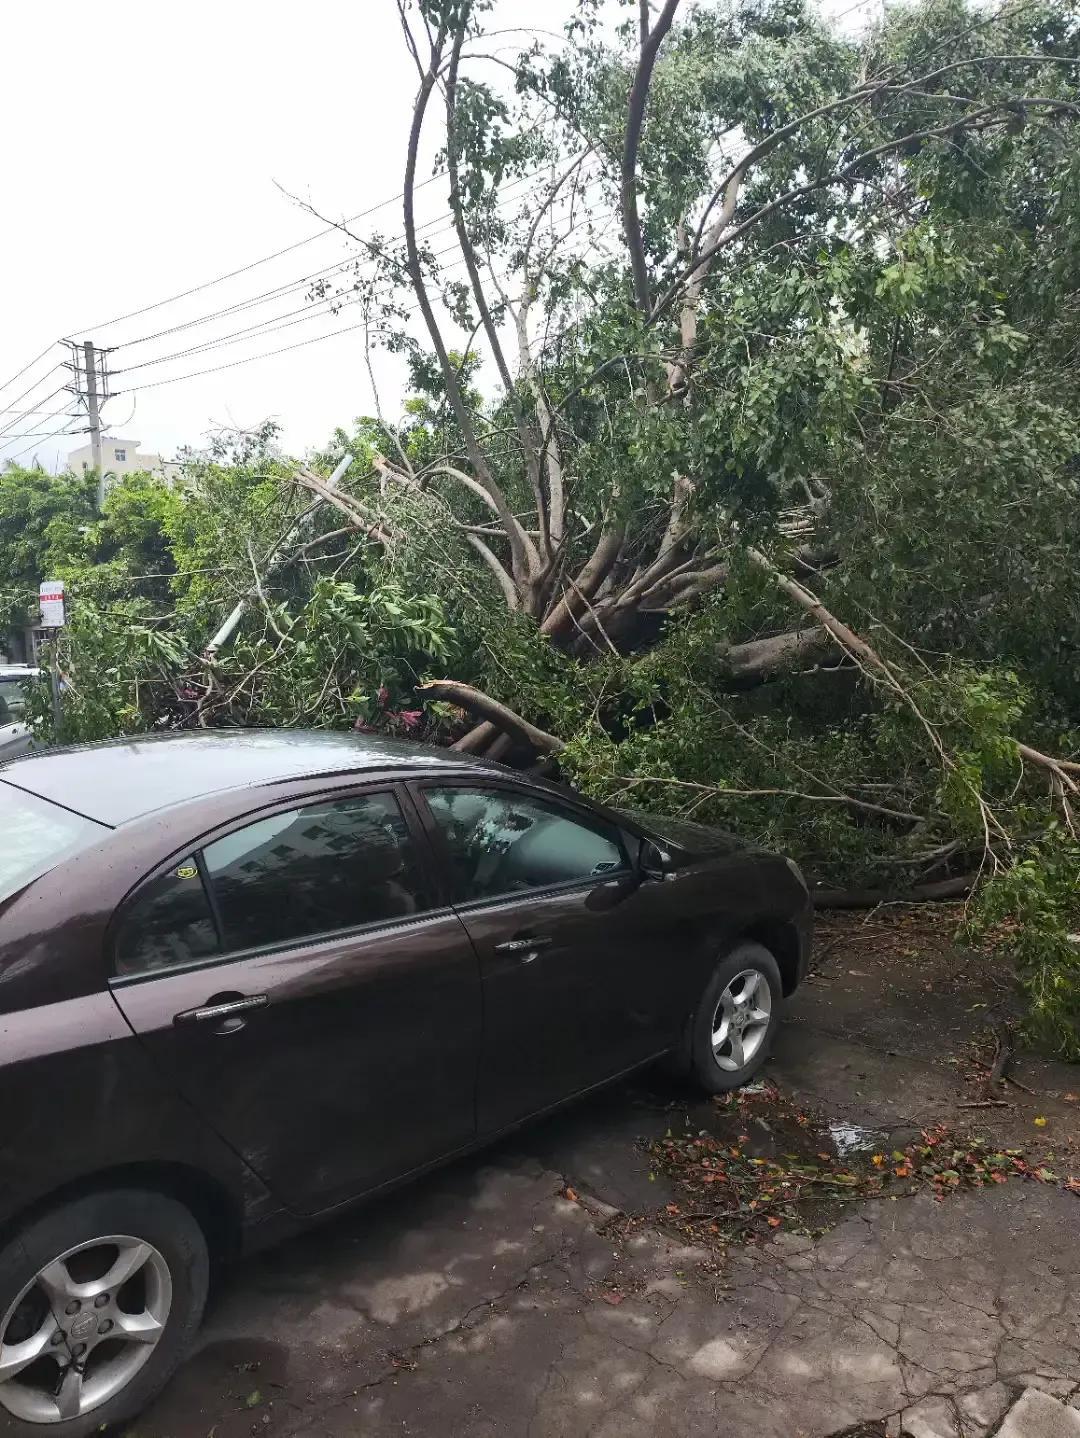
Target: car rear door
<point>298,978</point>
<point>571,946</point>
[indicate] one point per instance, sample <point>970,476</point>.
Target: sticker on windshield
<point>187,871</point>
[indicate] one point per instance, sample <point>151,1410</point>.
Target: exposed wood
<point>362,518</point>
<point>1063,768</point>
<point>870,898</point>
<point>845,637</point>
<point>595,570</point>
<point>761,659</point>
<point>717,792</point>
<point>477,739</point>
<point>483,705</point>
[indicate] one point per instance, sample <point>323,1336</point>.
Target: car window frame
<point>578,812</point>
<point>430,871</point>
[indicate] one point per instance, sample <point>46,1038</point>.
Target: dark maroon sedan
<point>247,977</point>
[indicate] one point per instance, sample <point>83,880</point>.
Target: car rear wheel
<point>99,1302</point>
<point>735,1022</point>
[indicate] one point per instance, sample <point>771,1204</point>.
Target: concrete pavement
<point>535,1292</point>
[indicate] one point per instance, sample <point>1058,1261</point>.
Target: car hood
<point>691,838</point>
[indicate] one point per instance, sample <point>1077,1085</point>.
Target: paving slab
<point>1037,1415</point>
<point>488,1303</point>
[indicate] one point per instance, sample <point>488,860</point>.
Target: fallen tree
<point>586,335</point>
<point>739,468</point>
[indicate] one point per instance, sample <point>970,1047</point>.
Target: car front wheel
<point>99,1302</point>
<point>735,1022</point>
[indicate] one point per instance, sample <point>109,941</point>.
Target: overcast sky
<point>142,146</point>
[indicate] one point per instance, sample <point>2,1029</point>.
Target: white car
<point>15,736</point>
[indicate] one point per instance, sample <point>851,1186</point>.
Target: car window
<point>35,833</point>
<point>503,843</point>
<point>327,866</point>
<point>168,922</point>
<point>12,701</point>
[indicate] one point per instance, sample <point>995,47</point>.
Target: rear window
<point>34,834</point>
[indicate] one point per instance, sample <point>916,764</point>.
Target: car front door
<point>296,979</point>
<point>571,946</point>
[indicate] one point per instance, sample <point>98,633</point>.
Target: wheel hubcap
<point>82,1329</point>
<point>741,1020</point>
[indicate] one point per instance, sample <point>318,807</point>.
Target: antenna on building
<point>90,368</point>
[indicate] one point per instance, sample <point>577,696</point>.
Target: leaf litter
<point>768,1165</point>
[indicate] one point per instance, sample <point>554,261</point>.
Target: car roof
<point>124,779</point>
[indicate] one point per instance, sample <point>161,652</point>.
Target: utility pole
<point>95,419</point>
<point>92,388</point>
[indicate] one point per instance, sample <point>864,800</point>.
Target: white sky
<point>142,143</point>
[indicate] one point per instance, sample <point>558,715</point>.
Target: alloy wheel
<point>741,1020</point>
<point>81,1330</point>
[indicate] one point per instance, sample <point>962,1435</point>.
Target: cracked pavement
<point>485,1302</point>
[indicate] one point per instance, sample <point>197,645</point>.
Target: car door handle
<point>525,947</point>
<point>224,1010</point>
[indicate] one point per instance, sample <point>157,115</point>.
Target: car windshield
<point>34,834</point>
<point>12,701</point>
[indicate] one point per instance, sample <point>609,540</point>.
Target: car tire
<point>63,1274</point>
<point>748,969</point>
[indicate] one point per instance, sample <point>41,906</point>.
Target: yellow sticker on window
<point>187,871</point>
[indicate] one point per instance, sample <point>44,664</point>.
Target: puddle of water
<point>854,1138</point>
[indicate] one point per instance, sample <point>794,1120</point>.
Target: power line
<point>56,414</point>
<point>56,434</point>
<point>34,434</point>
<point>53,415</point>
<point>310,311</point>
<point>269,354</point>
<point>19,373</point>
<point>859,5</point>
<point>254,264</point>
<point>22,413</point>
<point>41,380</point>
<point>435,226</point>
<point>4,428</point>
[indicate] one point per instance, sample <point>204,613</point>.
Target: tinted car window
<point>328,866</point>
<point>34,834</point>
<point>167,923</point>
<point>503,843</point>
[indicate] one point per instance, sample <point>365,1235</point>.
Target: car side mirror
<point>653,862</point>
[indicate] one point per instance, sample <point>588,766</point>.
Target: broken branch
<point>483,705</point>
